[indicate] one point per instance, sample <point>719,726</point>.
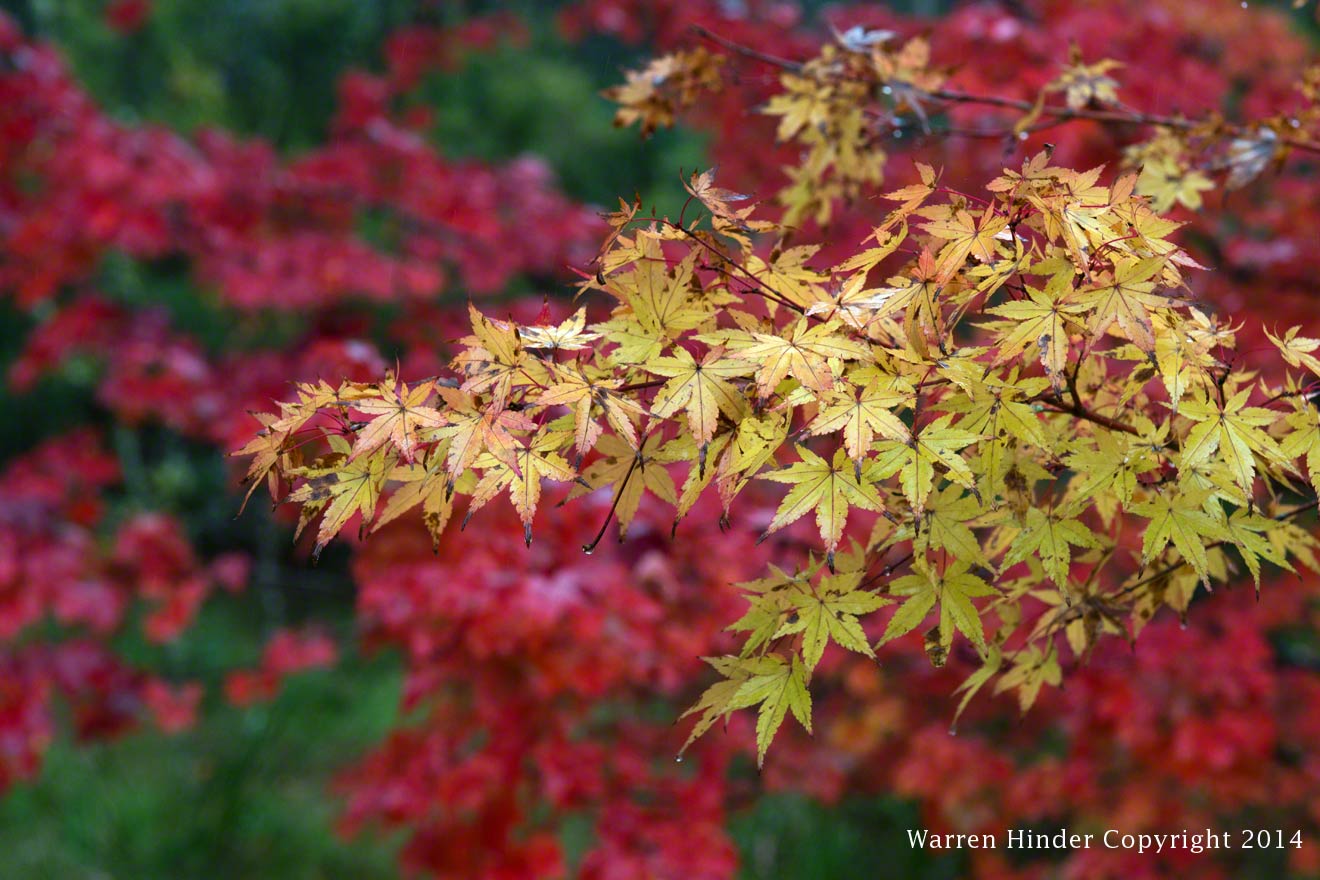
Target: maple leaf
<point>584,392</point>
<point>397,414</point>
<point>1249,533</point>
<point>522,477</point>
<point>1083,84</point>
<point>717,700</point>
<point>861,412</point>
<point>1031,670</point>
<point>991,665</point>
<point>652,95</point>
<point>915,461</point>
<point>702,187</point>
<point>425,486</point>
<point>828,612</point>
<point>354,486</point>
<point>656,303</point>
<point>854,304</point>
<point>570,335</point>
<point>1180,518</point>
<point>1182,350</point>
<point>953,589</point>
<point>916,295</point>
<point>753,444</point>
<point>494,358</point>
<point>968,236</point>
<point>1126,300</point>
<point>912,197</point>
<point>944,525</point>
<point>802,105</point>
<point>1051,536</point>
<point>1112,465</point>
<point>1167,182</point>
<point>471,430</point>
<point>829,488</point>
<point>777,686</point>
<point>1234,431</point>
<point>1040,323</point>
<point>268,447</point>
<point>1297,350</point>
<point>1304,441</point>
<point>806,354</point>
<point>699,477</point>
<point>1292,540</point>
<point>788,276</point>
<point>768,605</point>
<point>1035,171</point>
<point>997,410</point>
<point>701,389</point>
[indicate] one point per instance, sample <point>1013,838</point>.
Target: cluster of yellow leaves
<point>653,95</point>
<point>1084,84</point>
<point>975,411</point>
<point>865,88</point>
<point>826,109</point>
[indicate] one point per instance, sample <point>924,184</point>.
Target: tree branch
<point>1052,115</point>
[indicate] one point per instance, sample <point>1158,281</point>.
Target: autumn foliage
<point>984,363</point>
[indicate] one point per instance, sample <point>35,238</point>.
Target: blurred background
<point>202,202</point>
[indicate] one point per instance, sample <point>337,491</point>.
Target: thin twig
<point>1076,611</point>
<point>745,51</point>
<point>1085,414</point>
<point>614,505</point>
<point>1052,116</point>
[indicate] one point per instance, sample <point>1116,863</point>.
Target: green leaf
<point>1248,532</point>
<point>778,686</point>
<point>993,661</point>
<point>945,526</point>
<point>828,612</point>
<point>1040,324</point>
<point>1179,518</point>
<point>828,488</point>
<point>1032,669</point>
<point>769,601</point>
<point>914,610</point>
<point>717,700</point>
<point>1234,430</point>
<point>957,589</point>
<point>914,462</point>
<point>954,590</point>
<point>1051,537</point>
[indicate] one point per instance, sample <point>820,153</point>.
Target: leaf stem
<point>614,505</point>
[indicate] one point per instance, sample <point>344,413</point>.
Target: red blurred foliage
<point>544,683</point>
<point>287,653</point>
<point>60,561</point>
<point>127,16</point>
<point>413,52</point>
<point>173,708</point>
<point>267,233</point>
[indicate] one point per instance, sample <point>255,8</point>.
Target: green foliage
<point>264,67</point>
<point>791,836</point>
<point>241,795</point>
<point>507,102</point>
